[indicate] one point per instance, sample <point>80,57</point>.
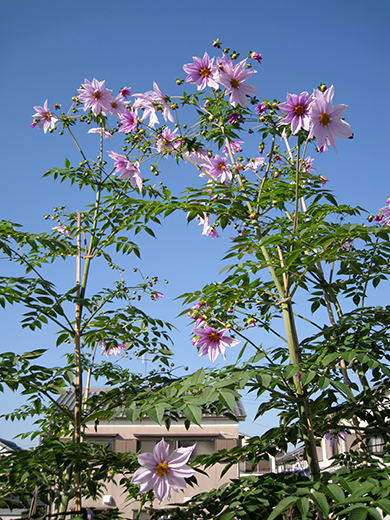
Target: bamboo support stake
<point>78,377</point>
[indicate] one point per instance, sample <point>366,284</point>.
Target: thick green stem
<point>78,368</point>
<point>304,412</point>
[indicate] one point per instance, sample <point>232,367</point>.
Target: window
<point>187,444</point>
<point>203,446</point>
<point>102,440</point>
<point>375,445</point>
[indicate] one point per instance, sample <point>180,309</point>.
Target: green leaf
<point>67,163</point>
<point>303,506</point>
<point>227,515</point>
<point>321,503</point>
<point>384,503</point>
<point>198,377</point>
<point>193,413</point>
<point>227,399</point>
<point>282,506</point>
<point>344,389</point>
<point>374,513</point>
<point>264,380</point>
<point>359,513</point>
<point>334,492</point>
<point>157,413</point>
<point>330,357</point>
<point>132,415</point>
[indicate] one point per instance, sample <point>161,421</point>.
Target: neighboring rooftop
<point>8,446</point>
<point>68,400</point>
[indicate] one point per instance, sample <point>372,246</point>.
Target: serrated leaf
<point>359,513</point>
<point>384,503</point>
<point>156,413</point>
<point>227,515</point>
<point>282,506</point>
<point>193,413</point>
<point>321,503</point>
<point>303,506</point>
<point>198,377</point>
<point>341,386</point>
<point>227,399</point>
<point>334,492</point>
<point>374,513</point>
<point>264,380</point>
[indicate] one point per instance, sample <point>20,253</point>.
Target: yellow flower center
<point>204,72</point>
<point>47,116</point>
<point>162,468</point>
<point>234,83</point>
<point>214,337</point>
<point>97,94</point>
<point>325,119</point>
<point>222,166</point>
<point>299,110</point>
<point>114,104</point>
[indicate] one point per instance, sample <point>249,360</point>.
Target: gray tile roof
<point>68,400</point>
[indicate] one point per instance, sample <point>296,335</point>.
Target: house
<point>6,447</point>
<point>215,433</point>
<point>328,447</point>
<point>245,467</point>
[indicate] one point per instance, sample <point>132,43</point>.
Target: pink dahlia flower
<point>96,97</point>
<point>261,109</point>
<point>106,135</point>
<point>384,215</point>
<point>111,350</point>
<point>65,232</point>
<point>326,119</point>
<point>233,79</point>
<point>129,122</point>
<point>44,118</point>
<point>156,296</point>
<point>161,471</point>
<point>254,164</point>
<point>235,147</point>
<point>208,230</point>
<point>256,57</point>
<point>125,92</point>
<point>297,109</point>
<point>218,169</point>
<point>168,142</point>
<point>118,106</point>
<point>149,103</point>
<point>202,72</point>
<point>213,342</point>
<point>307,165</point>
<point>197,157</point>
<point>127,169</point>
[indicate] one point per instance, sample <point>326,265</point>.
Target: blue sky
<point>48,48</point>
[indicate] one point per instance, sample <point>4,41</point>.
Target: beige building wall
<point>215,433</point>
